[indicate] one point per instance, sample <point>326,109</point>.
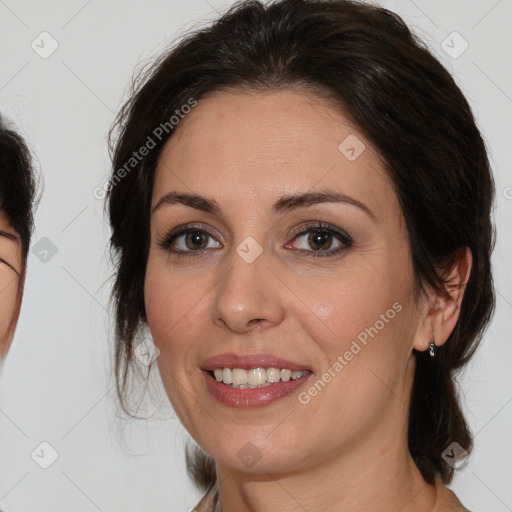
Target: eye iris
<point>319,238</point>
<point>198,240</point>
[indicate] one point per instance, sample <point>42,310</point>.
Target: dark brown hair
<point>17,184</point>
<point>406,104</point>
<point>17,199</point>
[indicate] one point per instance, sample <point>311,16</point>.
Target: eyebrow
<point>282,205</point>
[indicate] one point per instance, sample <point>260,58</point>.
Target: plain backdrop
<point>57,385</point>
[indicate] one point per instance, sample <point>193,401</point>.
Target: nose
<point>248,297</point>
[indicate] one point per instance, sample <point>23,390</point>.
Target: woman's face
<point>322,283</point>
<point>10,270</point>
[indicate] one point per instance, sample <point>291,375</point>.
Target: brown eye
<point>188,241</point>
<point>196,240</point>
<point>321,239</point>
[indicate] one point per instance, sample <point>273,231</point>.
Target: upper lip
<point>249,361</point>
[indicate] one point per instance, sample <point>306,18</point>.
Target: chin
<point>253,452</point>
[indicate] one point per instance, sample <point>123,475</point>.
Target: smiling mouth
<point>238,378</point>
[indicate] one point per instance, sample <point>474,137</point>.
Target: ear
<point>439,315</point>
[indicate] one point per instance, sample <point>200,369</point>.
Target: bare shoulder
<point>447,501</point>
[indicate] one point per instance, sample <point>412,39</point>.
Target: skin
<point>347,448</point>
<point>10,271</point>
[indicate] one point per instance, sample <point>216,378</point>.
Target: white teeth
<point>285,375</point>
<point>273,375</point>
<point>227,376</point>
<point>239,377</point>
<point>256,377</point>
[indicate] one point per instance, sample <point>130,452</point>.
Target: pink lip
<point>251,397</point>
<point>248,362</point>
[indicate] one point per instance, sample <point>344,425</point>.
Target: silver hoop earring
<point>432,348</point>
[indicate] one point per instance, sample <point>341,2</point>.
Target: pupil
<point>196,239</point>
<point>319,239</point>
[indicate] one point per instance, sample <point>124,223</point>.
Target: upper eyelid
<point>5,262</point>
<point>9,236</point>
<point>184,229</point>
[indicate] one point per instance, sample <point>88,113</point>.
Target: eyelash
<point>320,227</point>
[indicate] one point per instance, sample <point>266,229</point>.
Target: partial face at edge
<point>10,271</point>
<point>246,151</point>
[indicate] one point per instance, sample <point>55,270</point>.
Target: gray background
<point>57,385</point>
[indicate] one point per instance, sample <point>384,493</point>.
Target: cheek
<point>159,312</point>
<point>342,306</point>
<point>165,311</point>
<point>8,303</point>
<point>363,321</point>
<point>177,313</point>
<point>365,354</point>
<point>174,308</point>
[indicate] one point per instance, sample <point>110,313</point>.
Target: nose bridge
<point>247,291</point>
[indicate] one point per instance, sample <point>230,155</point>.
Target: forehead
<point>236,145</point>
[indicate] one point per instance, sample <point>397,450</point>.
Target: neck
<point>365,484</point>
<point>373,472</point>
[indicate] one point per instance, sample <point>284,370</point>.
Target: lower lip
<point>251,397</point>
